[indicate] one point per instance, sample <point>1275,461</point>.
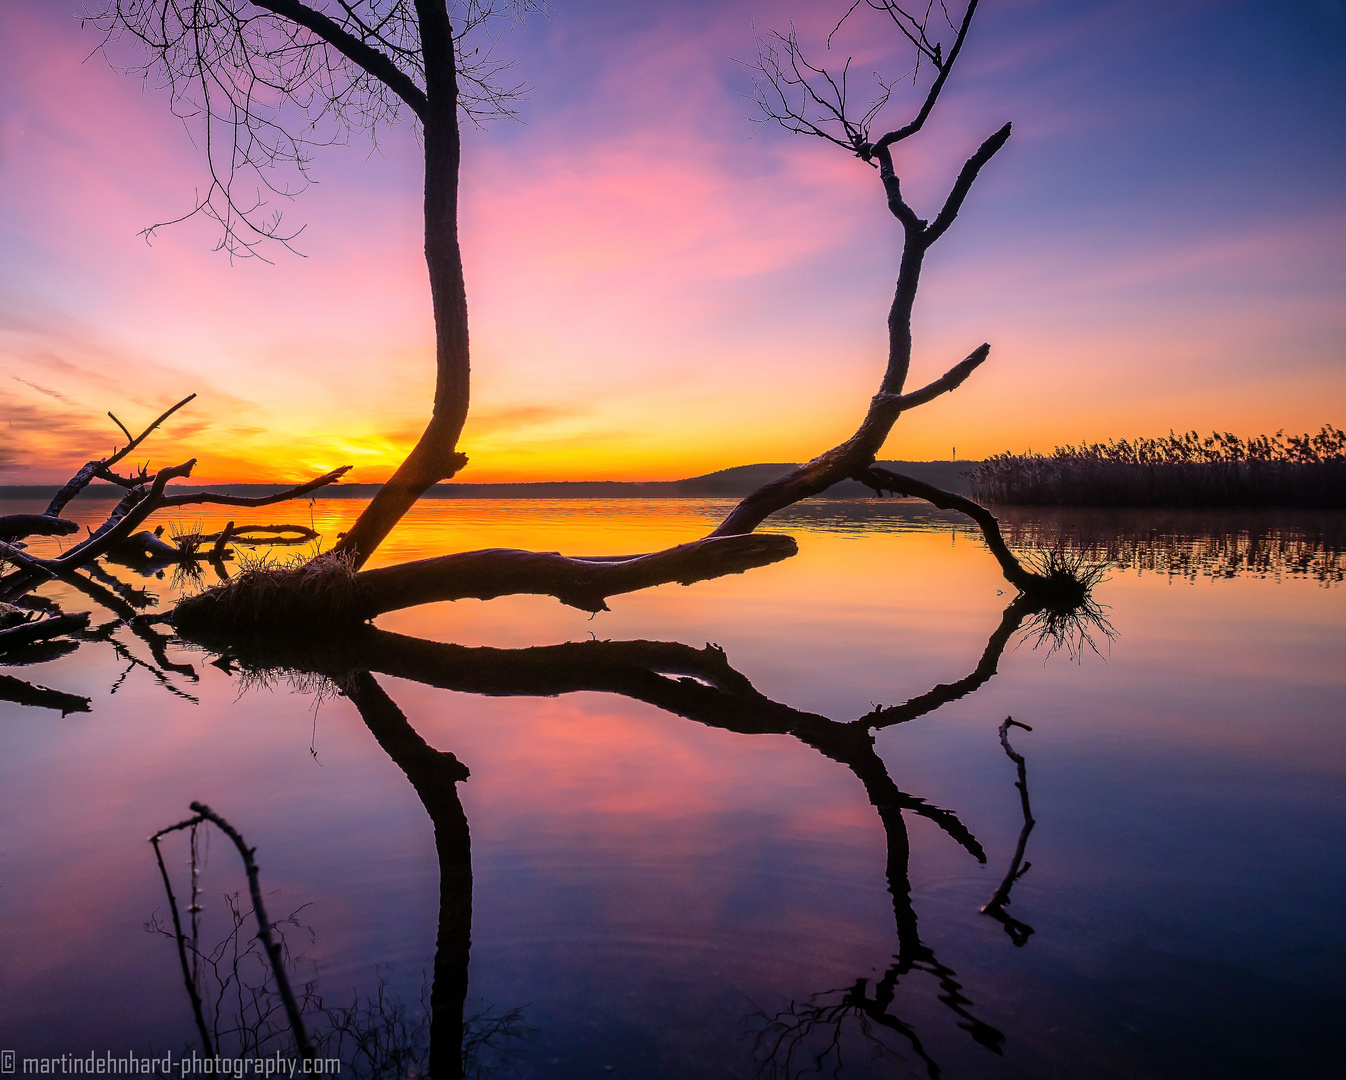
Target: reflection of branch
<point>1019,610</point>
<point>26,693</point>
<point>41,630</point>
<point>995,907</point>
<point>107,633</point>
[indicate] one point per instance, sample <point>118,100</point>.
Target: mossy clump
<point>319,593</point>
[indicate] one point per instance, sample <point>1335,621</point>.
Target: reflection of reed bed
<point>1192,545</point>
<point>1177,470</point>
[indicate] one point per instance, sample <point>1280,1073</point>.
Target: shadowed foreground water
<point>672,862</point>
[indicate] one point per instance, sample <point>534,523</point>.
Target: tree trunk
<point>435,457</point>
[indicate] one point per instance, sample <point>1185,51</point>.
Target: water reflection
<point>922,972</point>
<point>1192,544</point>
<point>698,685</point>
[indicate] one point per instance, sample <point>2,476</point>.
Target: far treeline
<point>1177,470</point>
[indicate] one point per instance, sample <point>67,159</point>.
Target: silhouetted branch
<point>215,498</point>
<point>584,583</point>
<point>950,380</point>
<point>881,480</point>
<point>848,460</point>
<point>963,185</point>
<point>806,98</point>
<point>273,949</point>
<point>17,526</point>
<point>181,940</point>
<point>93,469</point>
<point>943,64</point>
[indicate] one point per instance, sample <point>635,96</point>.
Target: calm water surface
<point>661,885</point>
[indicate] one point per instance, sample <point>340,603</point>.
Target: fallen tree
<point>363,65</point>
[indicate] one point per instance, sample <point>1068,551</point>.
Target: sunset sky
<point>658,288</point>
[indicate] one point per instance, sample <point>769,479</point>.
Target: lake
<point>689,863</point>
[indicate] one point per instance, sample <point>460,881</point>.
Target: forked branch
<point>274,952</point>
<point>102,468</point>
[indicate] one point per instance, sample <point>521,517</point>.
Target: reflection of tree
<point>697,684</point>
<point>435,775</point>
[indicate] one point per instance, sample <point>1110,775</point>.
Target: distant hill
<point>725,484</point>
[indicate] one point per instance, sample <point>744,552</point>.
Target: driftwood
<point>584,583</point>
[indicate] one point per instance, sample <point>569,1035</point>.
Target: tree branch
<point>216,499</point>
<point>328,591</point>
<point>846,461</point>
<point>580,583</point>
<point>932,95</point>
<point>884,480</point>
<point>963,185</point>
<point>361,54</point>
<point>81,479</point>
<point>17,526</point>
<point>950,380</point>
<point>892,187</point>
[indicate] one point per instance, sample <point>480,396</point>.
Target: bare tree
<point>268,80</point>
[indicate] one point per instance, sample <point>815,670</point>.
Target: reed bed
<point>1176,470</point>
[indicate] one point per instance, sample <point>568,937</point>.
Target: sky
<point>658,287</point>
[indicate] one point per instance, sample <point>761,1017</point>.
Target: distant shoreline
<point>725,484</point>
